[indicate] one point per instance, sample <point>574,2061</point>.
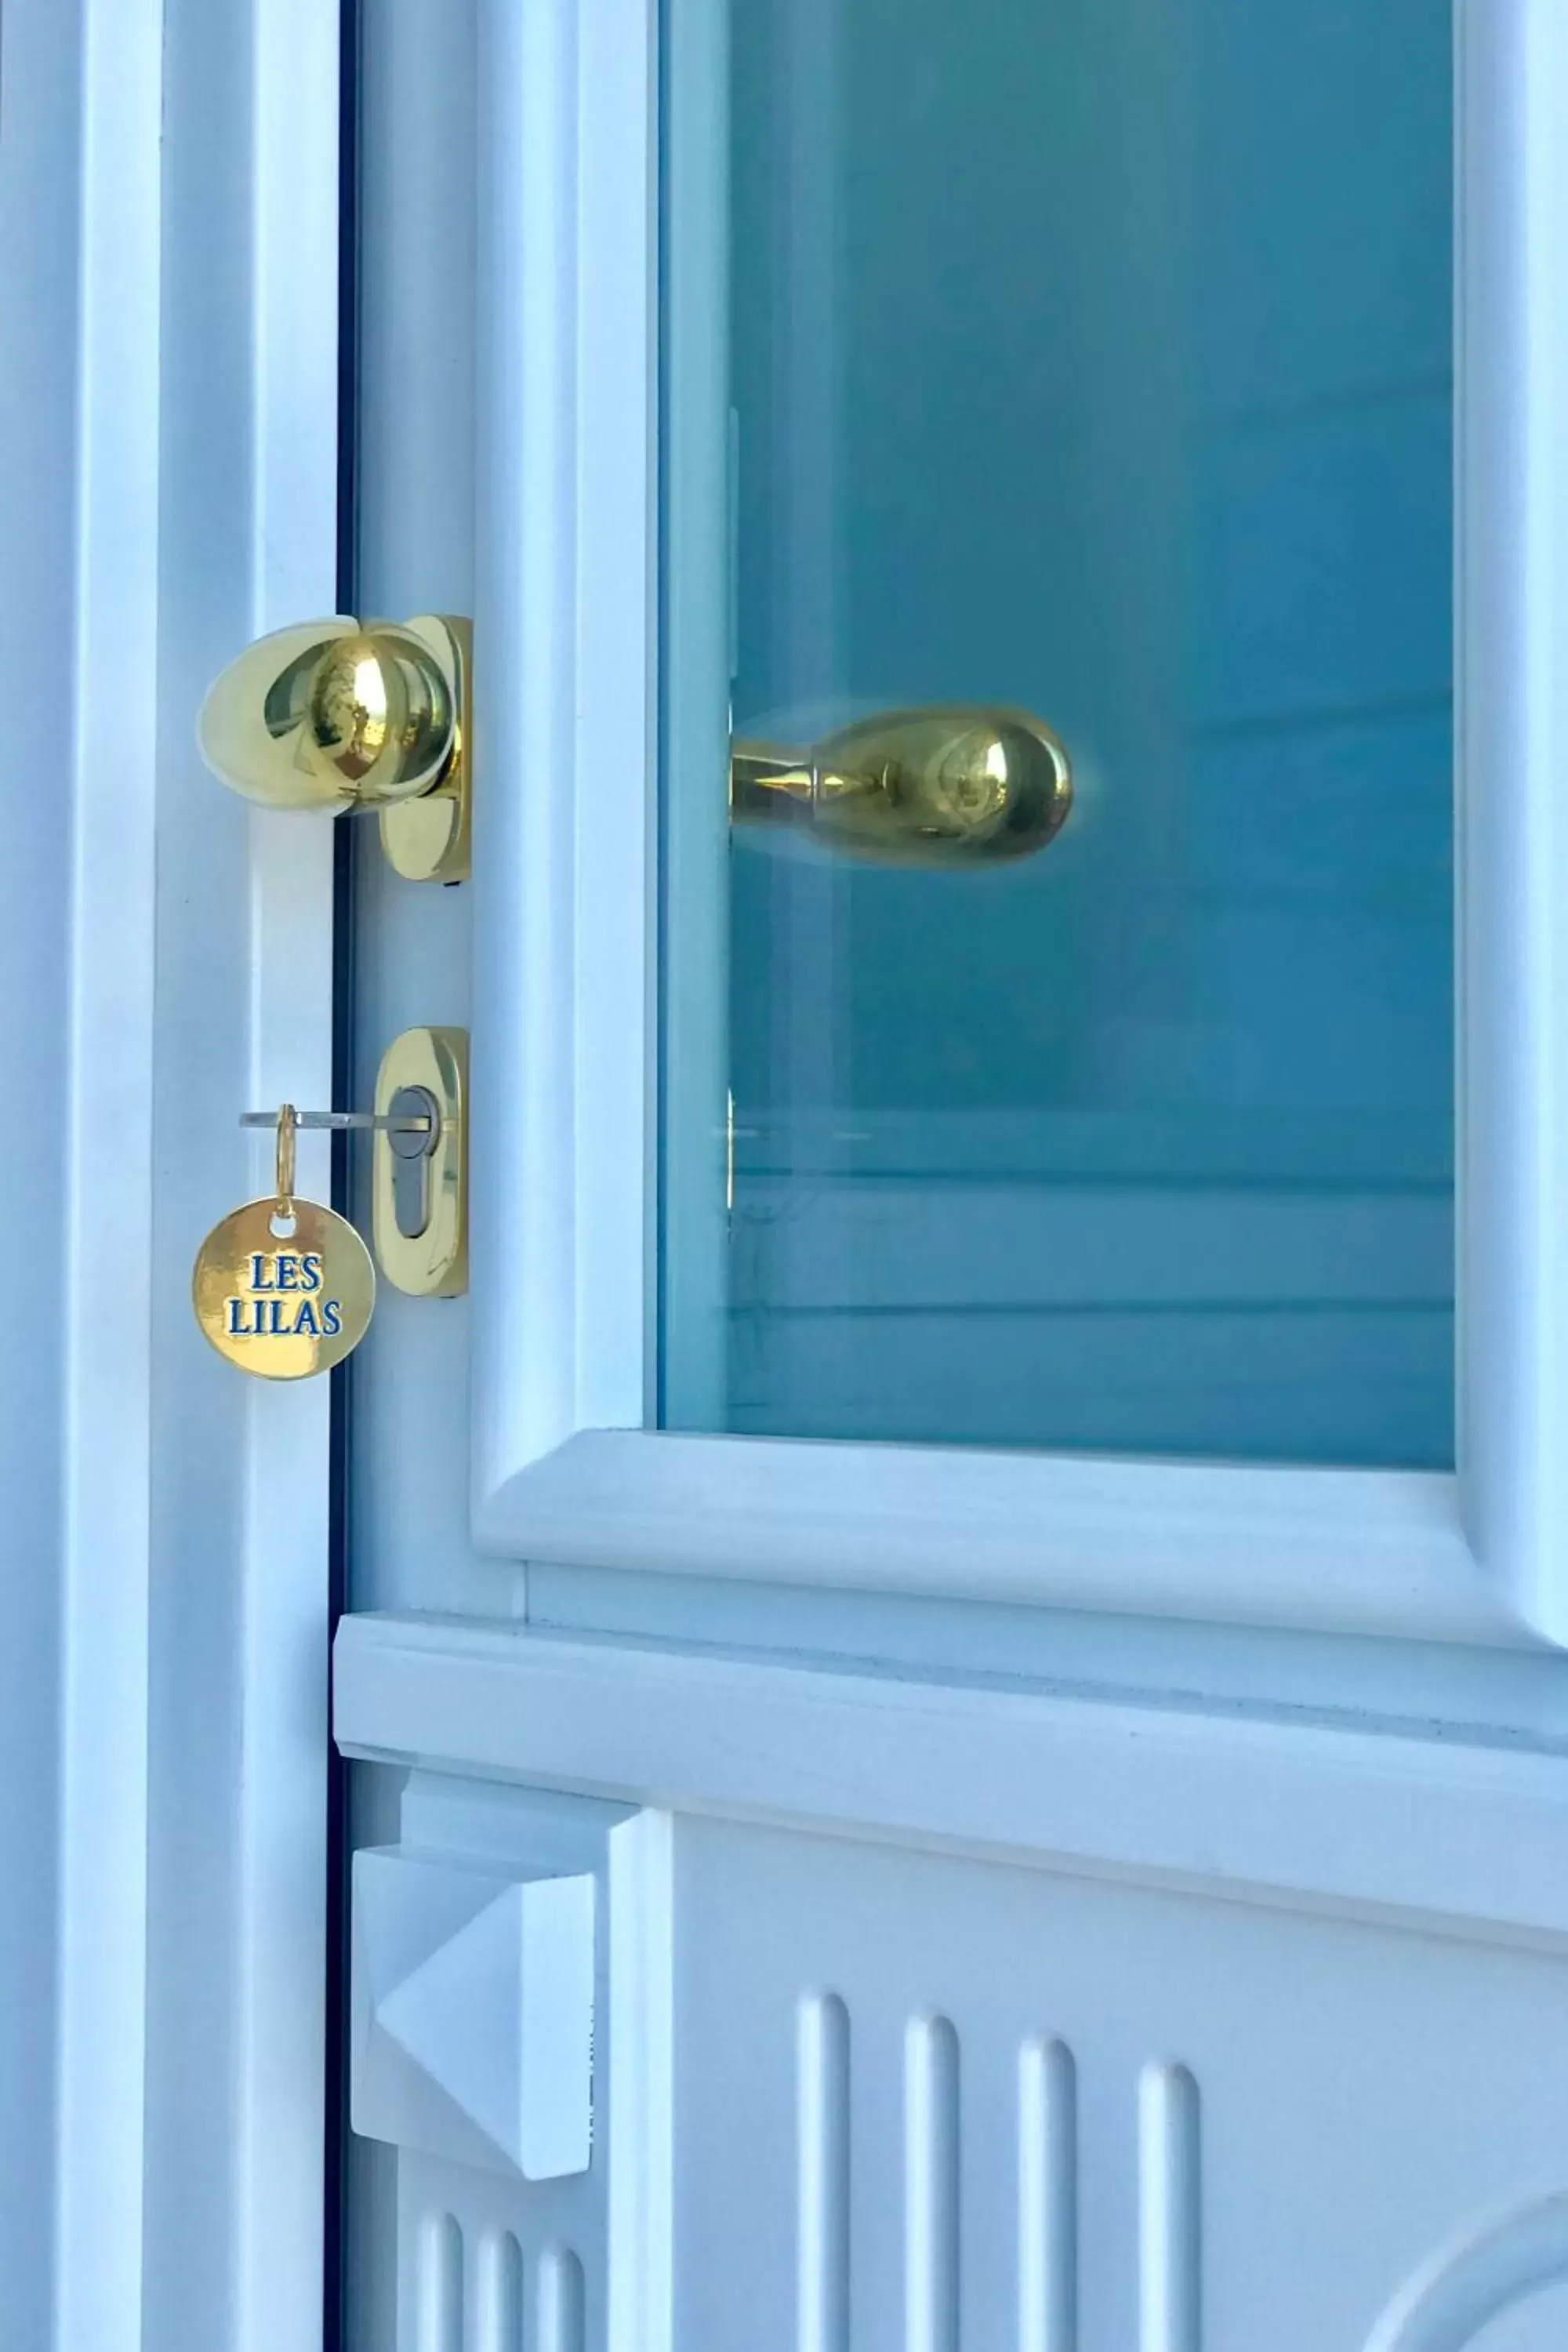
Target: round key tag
<point>284,1287</point>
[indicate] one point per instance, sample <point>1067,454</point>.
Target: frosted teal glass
<point>1094,356</point>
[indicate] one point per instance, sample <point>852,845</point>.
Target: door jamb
<point>173,269</point>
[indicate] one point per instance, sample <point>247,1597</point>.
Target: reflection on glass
<point>955,786</point>
<point>1085,363</point>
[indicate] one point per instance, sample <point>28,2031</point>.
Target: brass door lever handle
<point>953,784</point>
<point>344,715</point>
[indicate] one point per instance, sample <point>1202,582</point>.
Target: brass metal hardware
<point>419,1184</point>
<point>344,715</point>
<point>955,784</point>
<point>283,1287</point>
<point>419,1197</point>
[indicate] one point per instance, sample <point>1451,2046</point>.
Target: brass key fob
<point>284,1287</point>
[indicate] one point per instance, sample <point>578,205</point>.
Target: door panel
<point>1291,1994</point>
<point>1033,2109</point>
<point>1093,358</point>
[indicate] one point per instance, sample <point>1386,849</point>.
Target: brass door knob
<point>342,714</point>
<point>955,784</point>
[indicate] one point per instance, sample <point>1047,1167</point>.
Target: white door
<point>949,1671</point>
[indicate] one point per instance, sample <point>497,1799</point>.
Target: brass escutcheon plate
<point>432,1263</point>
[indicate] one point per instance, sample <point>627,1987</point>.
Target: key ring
<point>287,1122</point>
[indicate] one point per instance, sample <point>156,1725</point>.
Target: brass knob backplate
<point>953,784</point>
<point>341,714</point>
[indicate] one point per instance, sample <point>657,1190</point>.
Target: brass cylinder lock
<point>419,1177</point>
<point>284,1286</point>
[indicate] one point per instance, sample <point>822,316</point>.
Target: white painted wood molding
<point>168,481</point>
<point>1464,2286</point>
<point>1382,1822</point>
<point>564,1175</point>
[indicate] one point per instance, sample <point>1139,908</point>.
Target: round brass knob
<point>953,784</point>
<point>332,715</point>
<point>345,714</point>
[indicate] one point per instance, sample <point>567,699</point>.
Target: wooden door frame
<point>169,181</point>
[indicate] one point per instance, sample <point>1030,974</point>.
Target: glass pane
<point>1080,372</point>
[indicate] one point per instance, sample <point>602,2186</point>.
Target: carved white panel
<point>473,2012</point>
<point>479,2276</point>
<point>1453,2298</point>
<point>483,1942</point>
<point>951,2105</point>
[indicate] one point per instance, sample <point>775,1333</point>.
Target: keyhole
<point>411,1153</point>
